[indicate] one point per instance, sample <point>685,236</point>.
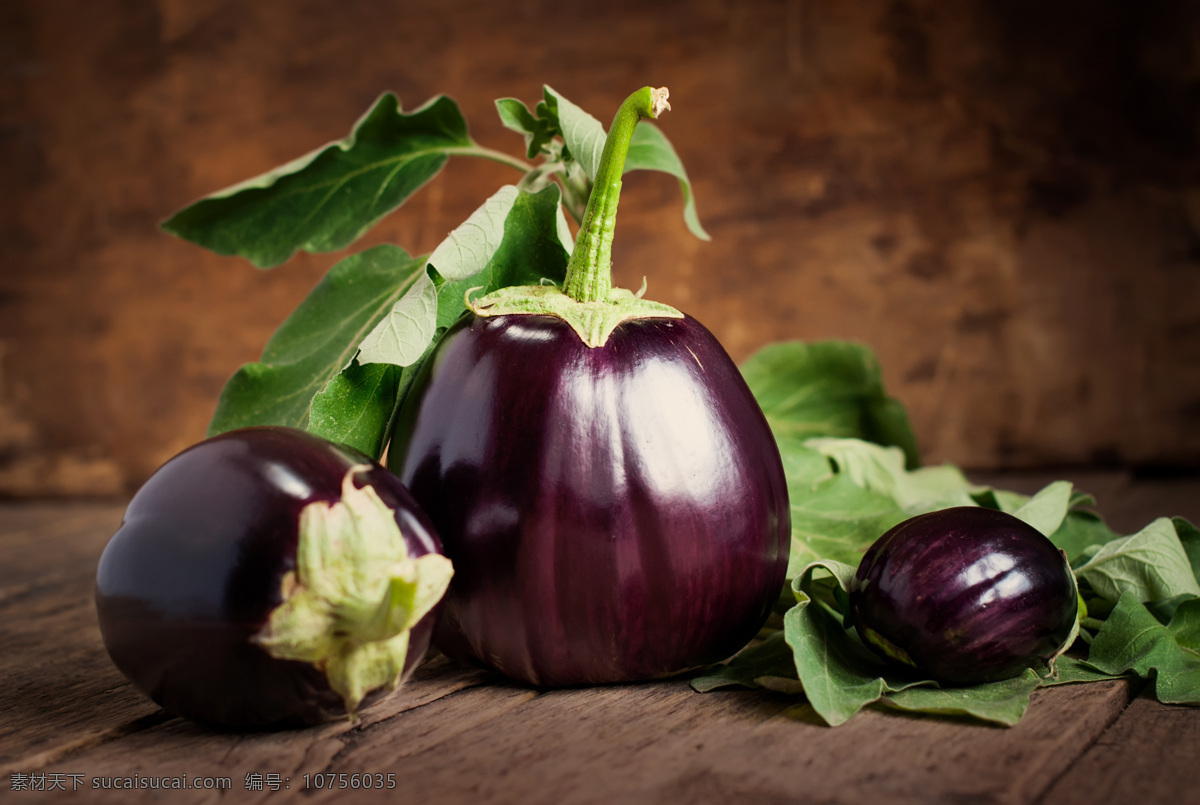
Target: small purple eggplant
<point>602,478</point>
<point>267,578</point>
<point>966,595</point>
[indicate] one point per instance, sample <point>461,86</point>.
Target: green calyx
<point>587,300</point>
<point>355,593</point>
<point>592,321</point>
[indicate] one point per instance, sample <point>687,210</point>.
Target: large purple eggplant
<point>603,480</point>
<point>613,513</point>
<point>966,595</point>
<point>238,541</point>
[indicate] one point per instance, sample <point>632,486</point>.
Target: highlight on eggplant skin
<point>966,595</point>
<point>613,514</point>
<point>195,571</point>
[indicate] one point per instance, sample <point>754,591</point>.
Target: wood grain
<point>1148,756</point>
<point>1000,198</point>
<point>456,734</point>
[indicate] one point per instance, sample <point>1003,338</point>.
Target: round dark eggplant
<point>205,561</point>
<point>966,595</point>
<point>613,513</point>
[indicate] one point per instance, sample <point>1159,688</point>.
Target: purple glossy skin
<point>613,514</point>
<point>971,594</point>
<point>195,570</point>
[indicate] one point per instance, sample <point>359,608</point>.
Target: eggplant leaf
<point>827,388</point>
<point>1132,639</point>
<point>1151,565</point>
<point>1189,536</point>
<point>583,134</point>
<point>469,248</point>
<point>754,667</point>
<point>530,250</point>
<point>326,199</point>
<point>538,131</point>
<point>1003,702</point>
<point>650,150</point>
<point>317,341</point>
<point>1046,510</point>
<point>845,493</point>
<point>355,406</point>
<point>839,675</point>
<point>401,337</point>
<point>881,469</point>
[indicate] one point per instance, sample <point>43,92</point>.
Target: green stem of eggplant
<point>589,272</point>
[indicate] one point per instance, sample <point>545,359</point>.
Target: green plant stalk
<point>589,272</point>
<point>587,301</point>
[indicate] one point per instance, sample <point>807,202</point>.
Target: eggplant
<point>965,595</point>
<point>268,578</point>
<point>603,480</point>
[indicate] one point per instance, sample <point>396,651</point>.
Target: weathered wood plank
<point>1148,757</point>
<point>456,734</point>
<point>653,743</point>
<point>61,693</point>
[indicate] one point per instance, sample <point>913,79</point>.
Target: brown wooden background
<point>1003,199</point>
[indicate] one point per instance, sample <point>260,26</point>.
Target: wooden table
<point>69,720</point>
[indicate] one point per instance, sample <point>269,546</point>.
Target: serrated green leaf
<point>402,336</point>
<point>1151,565</point>
<point>317,341</point>
<point>469,248</point>
<point>1132,639</point>
<point>827,388</point>
<point>326,199</point>
<point>650,150</point>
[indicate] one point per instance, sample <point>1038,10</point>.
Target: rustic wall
<point>1004,200</point>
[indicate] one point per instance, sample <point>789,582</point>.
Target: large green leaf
<point>827,388</point>
<point>1003,702</point>
<point>326,199</point>
<point>1132,639</point>
<point>530,249</point>
<point>1151,565</point>
<point>845,493</point>
<point>356,405</point>
<point>317,341</point>
<point>514,238</point>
